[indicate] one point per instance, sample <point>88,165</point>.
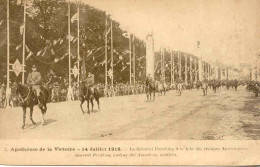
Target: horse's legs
<point>31,113</point>
<point>24,116</point>
<point>81,103</point>
<point>147,96</point>
<point>92,104</point>
<point>43,115</point>
<point>88,106</point>
<point>97,99</point>
<point>45,108</point>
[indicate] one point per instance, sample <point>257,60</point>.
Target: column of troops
<point>190,70</point>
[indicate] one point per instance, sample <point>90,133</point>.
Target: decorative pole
<point>130,58</point>
<point>78,43</point>
<point>106,54</point>
<point>112,55</point>
<point>8,90</point>
<point>24,20</point>
<point>69,43</point>
<point>133,61</point>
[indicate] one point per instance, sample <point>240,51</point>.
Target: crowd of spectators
<point>58,88</point>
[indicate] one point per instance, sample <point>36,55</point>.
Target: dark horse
<point>27,99</point>
<point>87,95</point>
<point>150,90</point>
<point>214,86</point>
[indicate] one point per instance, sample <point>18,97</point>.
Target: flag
<point>75,39</point>
<point>21,29</point>
<point>52,52</point>
<point>45,49</point>
<point>74,17</point>
<point>29,55</point>
<point>108,31</point>
<point>103,62</point>
<point>56,60</point>
<point>123,68</point>
<point>17,47</point>
<point>126,34</point>
<point>27,49</point>
<point>38,53</point>
<point>55,42</point>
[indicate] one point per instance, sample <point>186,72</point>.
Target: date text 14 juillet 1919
<point>101,149</point>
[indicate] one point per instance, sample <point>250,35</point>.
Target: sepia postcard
<point>130,82</point>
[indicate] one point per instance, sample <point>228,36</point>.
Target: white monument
<point>150,55</point>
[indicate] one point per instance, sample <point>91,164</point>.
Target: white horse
<point>160,87</point>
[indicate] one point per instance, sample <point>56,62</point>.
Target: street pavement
<point>225,115</point>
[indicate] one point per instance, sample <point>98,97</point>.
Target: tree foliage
<point>47,40</point>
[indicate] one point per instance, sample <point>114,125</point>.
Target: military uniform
<point>34,79</point>
<point>89,82</point>
<point>148,80</point>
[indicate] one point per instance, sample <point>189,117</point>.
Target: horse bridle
<point>27,97</point>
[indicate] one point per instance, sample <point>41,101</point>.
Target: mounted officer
<point>148,80</point>
<point>34,81</point>
<point>90,82</point>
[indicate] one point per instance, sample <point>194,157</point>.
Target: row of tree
<point>47,40</point>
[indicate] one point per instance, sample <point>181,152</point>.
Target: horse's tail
<point>96,95</point>
<point>46,94</point>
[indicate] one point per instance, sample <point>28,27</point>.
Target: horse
<point>179,88</point>
<point>27,100</point>
<point>214,86</point>
<point>87,95</point>
<point>150,90</point>
<point>161,88</point>
<point>205,88</point>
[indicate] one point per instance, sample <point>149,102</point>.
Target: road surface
<point>225,115</point>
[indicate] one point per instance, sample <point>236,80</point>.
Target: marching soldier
<point>34,80</point>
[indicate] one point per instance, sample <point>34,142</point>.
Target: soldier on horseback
<point>89,82</point>
<point>148,80</point>
<point>34,81</point>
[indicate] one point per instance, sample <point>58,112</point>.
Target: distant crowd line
<point>58,89</point>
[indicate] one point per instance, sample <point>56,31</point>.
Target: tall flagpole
<point>134,60</point>
<point>130,58</point>
<point>8,49</point>
<point>78,42</point>
<point>8,90</point>
<point>112,55</point>
<point>179,59</point>
<point>161,64</point>
<point>171,69</point>
<point>106,53</point>
<point>69,43</point>
<point>24,20</point>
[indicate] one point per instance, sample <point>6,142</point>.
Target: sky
<point>228,30</point>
